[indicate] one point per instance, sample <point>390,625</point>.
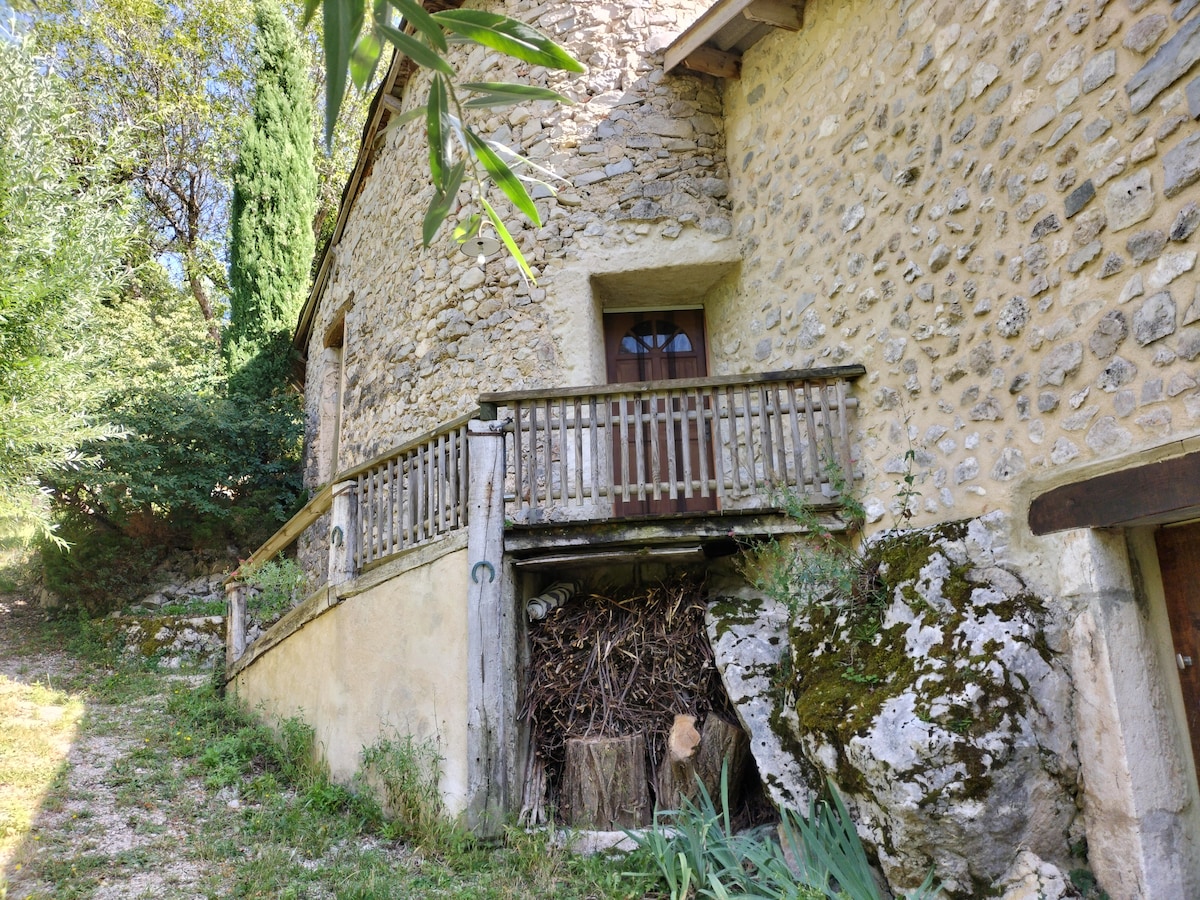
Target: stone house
<point>947,246</point>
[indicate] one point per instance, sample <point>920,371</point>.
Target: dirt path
<point>76,819</point>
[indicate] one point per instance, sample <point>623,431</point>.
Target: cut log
<point>604,783</point>
<point>694,757</point>
<point>677,772</point>
<point>722,742</point>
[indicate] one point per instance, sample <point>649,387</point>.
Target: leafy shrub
<point>277,585</point>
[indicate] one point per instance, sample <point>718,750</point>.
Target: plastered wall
<point>391,660</point>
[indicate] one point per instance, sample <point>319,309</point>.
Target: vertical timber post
<point>235,622</point>
<point>491,642</point>
<point>343,534</point>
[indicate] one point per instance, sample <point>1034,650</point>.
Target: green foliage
<point>274,203</point>
<point>355,34</point>
<point>278,585</point>
<point>61,239</point>
<point>815,857</point>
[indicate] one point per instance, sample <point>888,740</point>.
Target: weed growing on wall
<point>276,586</point>
<point>406,771</point>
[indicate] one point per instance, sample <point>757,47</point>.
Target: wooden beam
<point>699,33</point>
<point>776,13</point>
<point>712,61</point>
<point>1157,492</point>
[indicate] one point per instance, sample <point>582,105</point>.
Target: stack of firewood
<point>626,707</point>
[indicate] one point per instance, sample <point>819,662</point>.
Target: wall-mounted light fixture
<point>480,247</point>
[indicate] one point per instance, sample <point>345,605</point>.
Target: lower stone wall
<point>389,659</point>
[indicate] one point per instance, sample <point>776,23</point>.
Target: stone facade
<point>986,204</point>
<point>990,204</point>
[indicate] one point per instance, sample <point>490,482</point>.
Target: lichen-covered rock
<point>748,634</point>
<point>1032,878</point>
<point>929,695</point>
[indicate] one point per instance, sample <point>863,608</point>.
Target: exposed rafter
<point>714,44</point>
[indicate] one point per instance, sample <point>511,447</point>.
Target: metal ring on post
<point>475,571</point>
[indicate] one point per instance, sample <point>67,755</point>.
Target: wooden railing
<point>684,445</point>
<point>412,493</point>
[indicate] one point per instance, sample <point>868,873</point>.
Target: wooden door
<point>1179,560</point>
<point>659,345</point>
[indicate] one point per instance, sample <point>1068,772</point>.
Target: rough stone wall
<point>990,204</point>
<point>426,329</point>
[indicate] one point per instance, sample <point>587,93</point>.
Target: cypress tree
<point>274,202</point>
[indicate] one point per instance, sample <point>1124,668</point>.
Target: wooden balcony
<point>623,465</point>
<point>702,445</point>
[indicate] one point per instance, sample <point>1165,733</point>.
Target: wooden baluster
<point>844,433</point>
<point>639,437</point>
<point>533,460</point>
<point>519,455</point>
<point>452,451</point>
<point>751,454</point>
<point>548,453</point>
<point>685,441</point>
<point>831,454</point>
<point>431,485</point>
<point>363,512</point>
<point>735,465</point>
<point>564,444</point>
<point>781,454</point>
<point>594,444</point>
<point>797,442</point>
<point>421,496</point>
<point>625,401</point>
<point>665,408</point>
<point>389,519</point>
<point>814,446</point>
<point>702,439</point>
<point>577,431</point>
<point>766,440</point>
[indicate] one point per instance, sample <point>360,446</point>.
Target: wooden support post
<point>343,533</point>
<point>491,639</point>
<point>235,622</point>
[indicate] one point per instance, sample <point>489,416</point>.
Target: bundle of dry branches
<point>617,662</point>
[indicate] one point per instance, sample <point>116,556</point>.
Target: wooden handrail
<point>292,529</point>
<point>320,503</point>
<point>831,373</point>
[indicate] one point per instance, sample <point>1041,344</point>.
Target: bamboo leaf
<point>507,239</point>
<point>509,36</point>
<point>414,13</point>
<point>419,53</point>
<point>434,110</point>
<point>463,232</point>
<point>364,59</point>
<point>504,177</point>
<point>499,93</point>
<point>343,22</point>
<point>310,7</point>
<point>439,206</point>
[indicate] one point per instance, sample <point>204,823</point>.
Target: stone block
<point>1062,361</point>
<point>1079,198</point>
<point>1109,333</point>
<point>1185,222</point>
<point>1146,245</point>
<point>1144,33</point>
<point>1098,70</point>
<point>1130,200</point>
<point>1169,63</point>
<point>1154,319</point>
<point>1181,165</point>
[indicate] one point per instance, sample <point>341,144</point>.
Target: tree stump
<point>604,783</point>
<point>693,755</point>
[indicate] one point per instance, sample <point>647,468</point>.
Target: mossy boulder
<point>931,698</point>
